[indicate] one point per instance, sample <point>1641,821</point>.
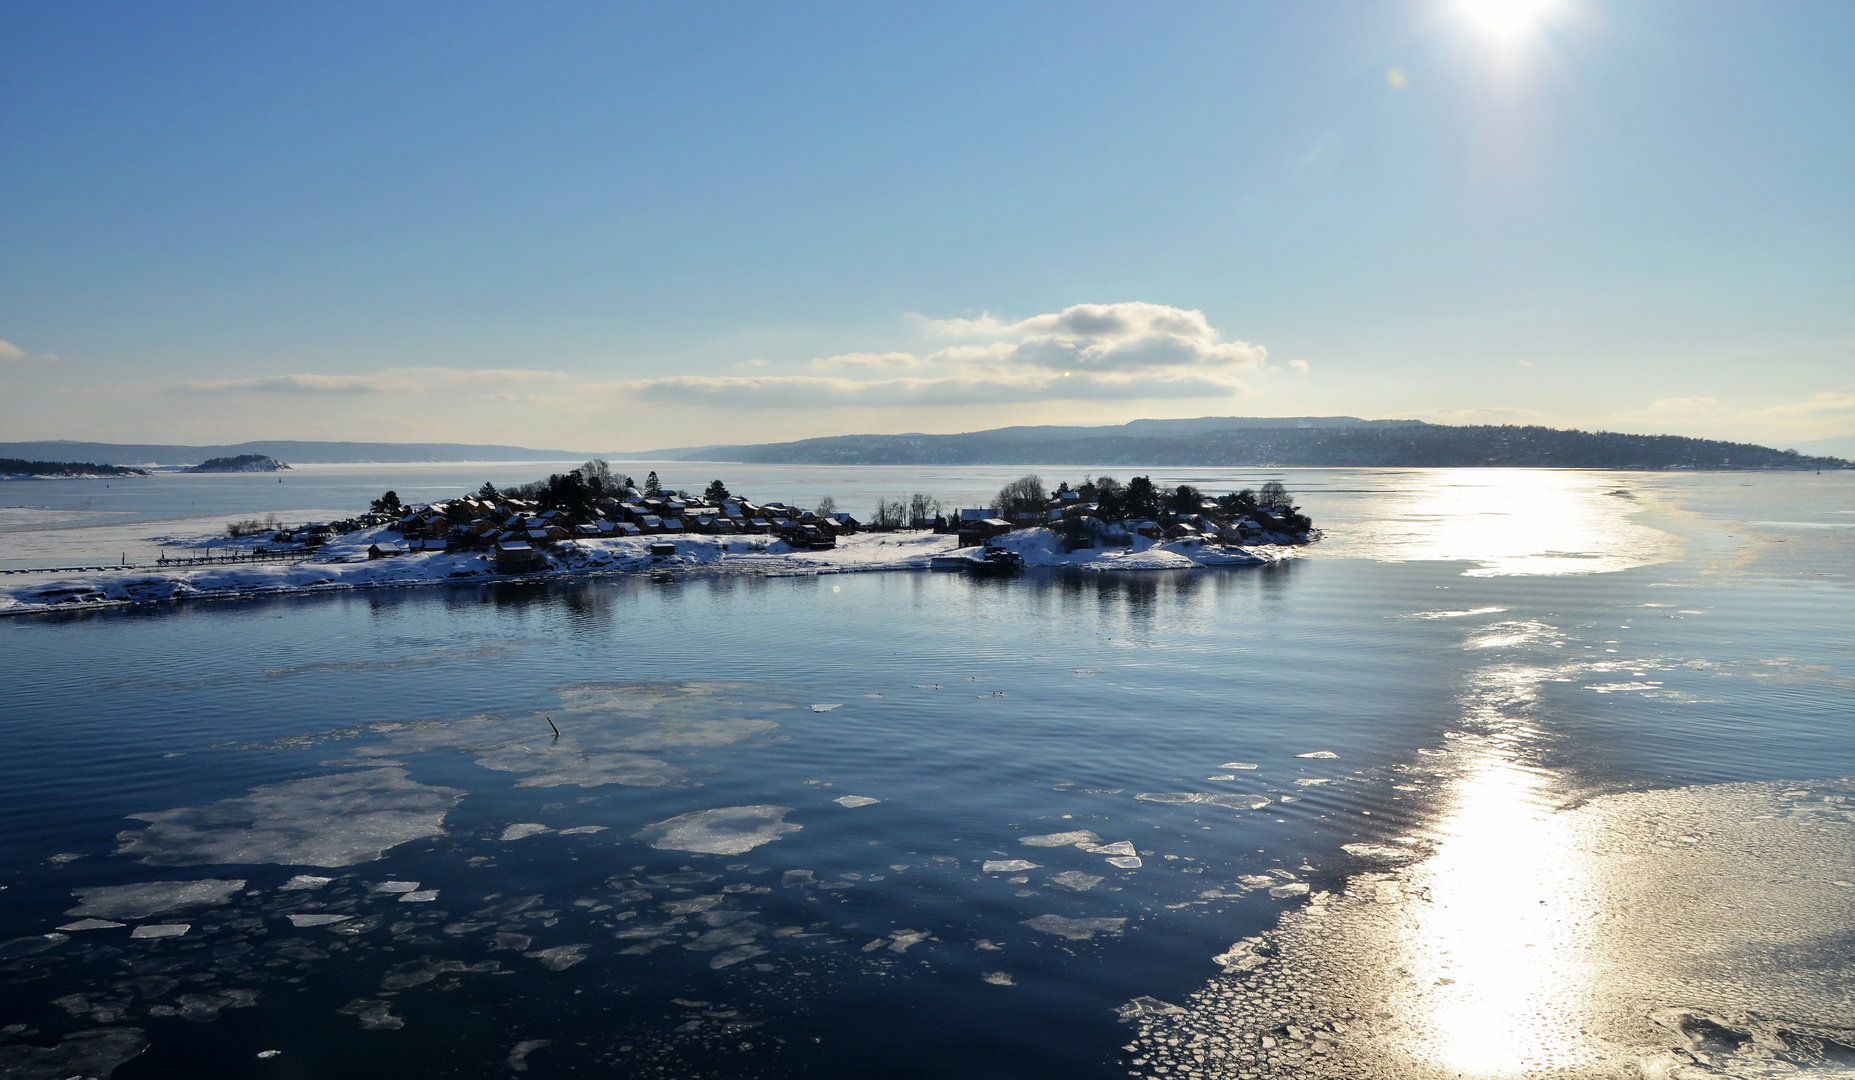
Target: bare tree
<point>598,476</point>
<point>826,507</point>
<point>1022,495</point>
<point>890,514</point>
<point>922,510</point>
<point>1273,494</point>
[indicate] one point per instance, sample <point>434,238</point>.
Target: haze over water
<point>1537,772</point>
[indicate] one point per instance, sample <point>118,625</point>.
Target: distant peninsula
<point>20,469</point>
<point>1289,442</point>
<point>240,463</point>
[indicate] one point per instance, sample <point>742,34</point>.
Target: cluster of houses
<point>1078,520</point>
<point>516,530</point>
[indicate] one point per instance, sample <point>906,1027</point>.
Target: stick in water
<point>550,723</point>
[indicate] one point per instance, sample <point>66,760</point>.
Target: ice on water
<point>150,898</point>
<point>336,820</point>
<point>851,802</point>
<point>1075,838</point>
<point>1007,866</point>
<point>522,830</point>
<point>726,830</point>
<point>1075,929</point>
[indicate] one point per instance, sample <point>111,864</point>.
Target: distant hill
<point>1286,442</point>
<point>286,450</point>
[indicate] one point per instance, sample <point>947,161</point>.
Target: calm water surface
<point>1549,637</point>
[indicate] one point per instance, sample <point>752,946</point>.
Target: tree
<point>598,477</point>
<point>1142,498</point>
<point>387,504</point>
<point>890,515</point>
<point>1110,498</point>
<point>569,493</point>
<point>1023,495</point>
<point>826,507</point>
<point>488,492</point>
<point>922,510</point>
<point>1186,499</point>
<point>715,492</point>
<point>1273,494</point>
<point>653,489</point>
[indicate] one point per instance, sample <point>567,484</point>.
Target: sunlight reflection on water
<point>1511,521</point>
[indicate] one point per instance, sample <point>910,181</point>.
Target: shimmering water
<point>692,878</point>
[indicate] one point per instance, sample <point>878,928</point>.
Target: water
<point>1498,661</point>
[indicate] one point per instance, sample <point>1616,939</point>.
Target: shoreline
<point>343,565</point>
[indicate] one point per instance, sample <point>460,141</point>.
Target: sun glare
<point>1505,22</point>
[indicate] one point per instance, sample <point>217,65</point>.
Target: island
<point>590,521</point>
<point>240,463</point>
<point>18,469</point>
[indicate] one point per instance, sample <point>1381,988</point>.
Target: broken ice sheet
<point>1124,862</point>
<point>1318,754</point>
<point>300,920</point>
<point>92,924</point>
<point>827,708</point>
<point>725,830</point>
<point>1147,1006</point>
<point>608,732</point>
<point>336,820</point>
<point>518,1057</point>
<point>395,887</point>
<point>304,883</point>
<point>1077,880</point>
<point>419,896</point>
<point>1007,866</point>
<point>851,802</point>
<point>373,1013</point>
<point>522,830</point>
<point>1119,847</point>
<point>93,1052</point>
<point>998,978</point>
<point>1238,765</point>
<point>1078,838</point>
<point>582,830</point>
<point>160,930</point>
<point>1075,929</point>
<point>560,957</point>
<point>149,898</point>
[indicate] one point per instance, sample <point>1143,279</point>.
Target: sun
<point>1505,22</point>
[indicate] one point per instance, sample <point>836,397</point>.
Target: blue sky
<point>611,227</point>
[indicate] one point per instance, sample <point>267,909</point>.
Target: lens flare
<point>1505,22</point>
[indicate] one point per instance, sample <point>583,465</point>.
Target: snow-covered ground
<point>343,564</point>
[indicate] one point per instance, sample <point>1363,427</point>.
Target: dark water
<point>869,940</point>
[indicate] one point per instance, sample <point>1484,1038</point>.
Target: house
<point>515,556</point>
<point>974,531</point>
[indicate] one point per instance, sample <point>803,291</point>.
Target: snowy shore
<point>344,564</point>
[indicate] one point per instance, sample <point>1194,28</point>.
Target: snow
<point>343,564</point>
<point>727,830</point>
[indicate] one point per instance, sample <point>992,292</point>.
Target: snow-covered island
<point>240,463</point>
<point>590,522</point>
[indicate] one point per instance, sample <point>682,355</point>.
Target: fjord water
<point>1478,657</point>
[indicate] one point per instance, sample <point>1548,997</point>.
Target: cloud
<point>1487,414</point>
<point>1828,413</point>
<point>1085,352</point>
<point>12,353</point>
<point>397,381</point>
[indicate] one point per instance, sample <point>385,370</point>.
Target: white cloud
<point>1118,351</point>
<point>397,381</point>
<point>14,354</point>
<point>1829,413</point>
<point>1487,414</point>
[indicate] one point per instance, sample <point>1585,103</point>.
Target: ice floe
<point>522,830</point>
<point>1239,765</point>
<point>395,887</point>
<point>336,820</point>
<point>1077,880</point>
<point>91,924</point>
<point>560,957</point>
<point>998,978</point>
<point>851,802</point>
<point>1075,929</point>
<point>302,919</point>
<point>149,898</point>
<point>1207,798</point>
<point>827,708</point>
<point>160,930</point>
<point>726,830</point>
<point>1007,866</point>
<point>1124,862</point>
<point>374,1014</point>
<point>1075,838</point>
<point>518,1056</point>
<point>1318,754</point>
<point>304,883</point>
<point>582,830</point>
